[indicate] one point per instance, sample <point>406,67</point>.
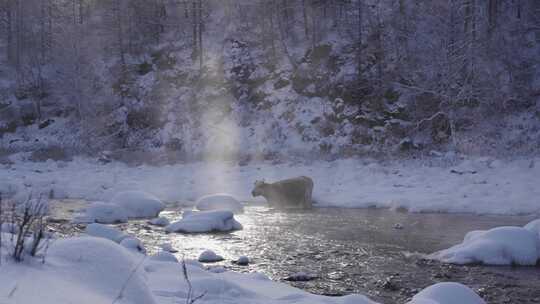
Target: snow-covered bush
<point>26,223</point>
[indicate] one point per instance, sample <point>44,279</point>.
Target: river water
<point>354,251</point>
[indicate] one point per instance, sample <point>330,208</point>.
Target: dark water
<point>355,251</point>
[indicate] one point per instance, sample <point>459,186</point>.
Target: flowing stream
<point>376,252</point>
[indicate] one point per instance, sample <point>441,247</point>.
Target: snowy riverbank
<point>480,185</point>
<point>95,270</point>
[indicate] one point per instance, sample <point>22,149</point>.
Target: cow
<point>289,193</point>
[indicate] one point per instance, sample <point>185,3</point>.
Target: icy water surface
<point>355,251</point>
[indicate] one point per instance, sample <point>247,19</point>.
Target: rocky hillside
<point>264,79</point>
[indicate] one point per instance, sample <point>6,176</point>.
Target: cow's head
<point>258,188</point>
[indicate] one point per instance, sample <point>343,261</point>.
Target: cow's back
<point>293,192</point>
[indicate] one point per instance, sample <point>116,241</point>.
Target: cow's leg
<point>308,197</point>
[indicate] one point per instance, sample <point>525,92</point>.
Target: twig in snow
<point>190,299</point>
<point>121,293</point>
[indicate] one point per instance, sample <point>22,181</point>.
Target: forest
<point>265,78</point>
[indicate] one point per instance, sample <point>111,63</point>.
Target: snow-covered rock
<point>534,226</point>
<point>95,271</point>
<point>164,256</point>
<point>243,260</point>
<point>208,256</point>
<point>300,277</point>
<point>220,201</point>
<point>497,246</point>
<point>102,213</point>
<point>138,204</point>
<point>133,244</point>
<point>447,293</point>
<point>159,221</point>
<point>398,226</point>
<point>205,221</point>
<point>168,247</point>
<point>106,232</point>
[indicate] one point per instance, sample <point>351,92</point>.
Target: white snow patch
<point>447,293</point>
<point>205,221</point>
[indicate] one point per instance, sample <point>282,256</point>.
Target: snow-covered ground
<point>474,185</point>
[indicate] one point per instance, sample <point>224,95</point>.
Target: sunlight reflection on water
<point>349,250</point>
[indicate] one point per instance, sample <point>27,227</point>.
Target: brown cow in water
<point>289,193</point>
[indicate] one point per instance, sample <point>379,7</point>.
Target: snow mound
<point>208,256</point>
<point>138,204</point>
<point>164,256</point>
<point>205,221</point>
<point>159,221</point>
<point>534,226</point>
<point>447,293</point>
<point>219,201</point>
<point>102,213</point>
<point>497,246</point>
<point>102,267</point>
<point>106,232</point>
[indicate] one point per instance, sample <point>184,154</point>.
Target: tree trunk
<point>305,16</point>
<point>492,14</point>
<point>200,35</point>
<point>9,31</point>
<point>81,11</point>
<point>195,23</point>
<point>359,41</point>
